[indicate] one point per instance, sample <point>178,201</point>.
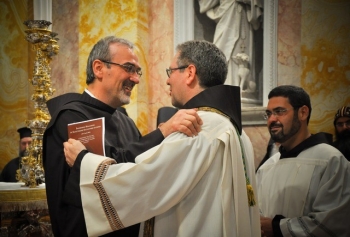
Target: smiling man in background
<point>304,189</point>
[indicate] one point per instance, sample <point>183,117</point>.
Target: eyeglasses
<point>276,112</point>
<point>341,124</point>
<point>129,68</point>
<point>170,70</point>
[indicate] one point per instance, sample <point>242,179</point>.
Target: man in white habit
<point>304,189</point>
<point>193,186</point>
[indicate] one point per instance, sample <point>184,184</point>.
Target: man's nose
<point>135,78</point>
<point>273,117</point>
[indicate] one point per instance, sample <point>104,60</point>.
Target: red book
<point>91,133</point>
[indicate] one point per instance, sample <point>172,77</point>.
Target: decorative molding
<point>270,47</point>
<point>184,30</point>
<point>253,116</point>
<point>183,21</point>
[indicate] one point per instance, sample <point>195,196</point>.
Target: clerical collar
<point>225,98</point>
<point>307,143</point>
<point>89,93</point>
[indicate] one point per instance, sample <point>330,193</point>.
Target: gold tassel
<point>148,230</point>
<point>251,198</point>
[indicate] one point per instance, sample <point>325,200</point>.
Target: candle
<point>43,10</point>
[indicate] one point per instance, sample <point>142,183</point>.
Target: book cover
<point>91,133</point>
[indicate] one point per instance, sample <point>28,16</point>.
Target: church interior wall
<point>312,41</point>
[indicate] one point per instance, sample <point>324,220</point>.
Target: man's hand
<point>72,148</point>
<point>185,121</point>
<point>266,227</point>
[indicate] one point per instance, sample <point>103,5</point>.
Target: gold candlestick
<point>45,45</point>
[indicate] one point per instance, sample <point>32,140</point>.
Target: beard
<point>124,96</point>
<point>23,153</point>
<point>282,137</point>
<point>342,142</point>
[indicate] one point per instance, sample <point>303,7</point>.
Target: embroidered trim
<point>212,110</point>
<point>110,212</point>
<point>250,191</point>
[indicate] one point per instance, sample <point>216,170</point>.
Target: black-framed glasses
<point>276,112</point>
<point>129,68</point>
<point>170,70</point>
<point>341,124</point>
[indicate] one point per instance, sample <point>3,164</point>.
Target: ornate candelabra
<point>45,45</point>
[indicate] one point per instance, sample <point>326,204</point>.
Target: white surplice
<point>311,190</point>
<point>194,186</point>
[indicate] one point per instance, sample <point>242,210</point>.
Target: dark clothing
<point>123,142</point>
<point>342,142</point>
<point>311,141</point>
<point>8,174</point>
<point>224,98</point>
<point>343,147</point>
<point>268,154</point>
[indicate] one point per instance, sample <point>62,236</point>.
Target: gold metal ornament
<point>31,170</point>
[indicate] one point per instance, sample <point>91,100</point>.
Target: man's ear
<point>303,112</point>
<point>97,67</point>
<point>191,75</point>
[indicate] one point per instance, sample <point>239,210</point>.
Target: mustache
<point>129,84</point>
<point>275,124</point>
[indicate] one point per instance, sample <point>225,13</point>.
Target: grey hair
<point>101,51</point>
<point>209,60</point>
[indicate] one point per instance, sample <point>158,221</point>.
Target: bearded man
<point>304,189</point>
<point>342,131</point>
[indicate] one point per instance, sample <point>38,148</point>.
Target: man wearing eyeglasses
<point>304,189</point>
<point>342,131</point>
<point>112,72</point>
<point>199,186</point>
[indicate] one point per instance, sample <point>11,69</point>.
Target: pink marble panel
<point>259,137</point>
<point>289,37</point>
<point>160,55</point>
<point>65,65</point>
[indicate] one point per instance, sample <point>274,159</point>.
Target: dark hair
<point>209,60</point>
<point>101,51</point>
<point>297,96</point>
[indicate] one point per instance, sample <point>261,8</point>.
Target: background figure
<point>234,34</point>
<point>342,131</point>
<point>304,189</point>
<point>271,149</point>
<point>164,114</point>
<point>8,174</point>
